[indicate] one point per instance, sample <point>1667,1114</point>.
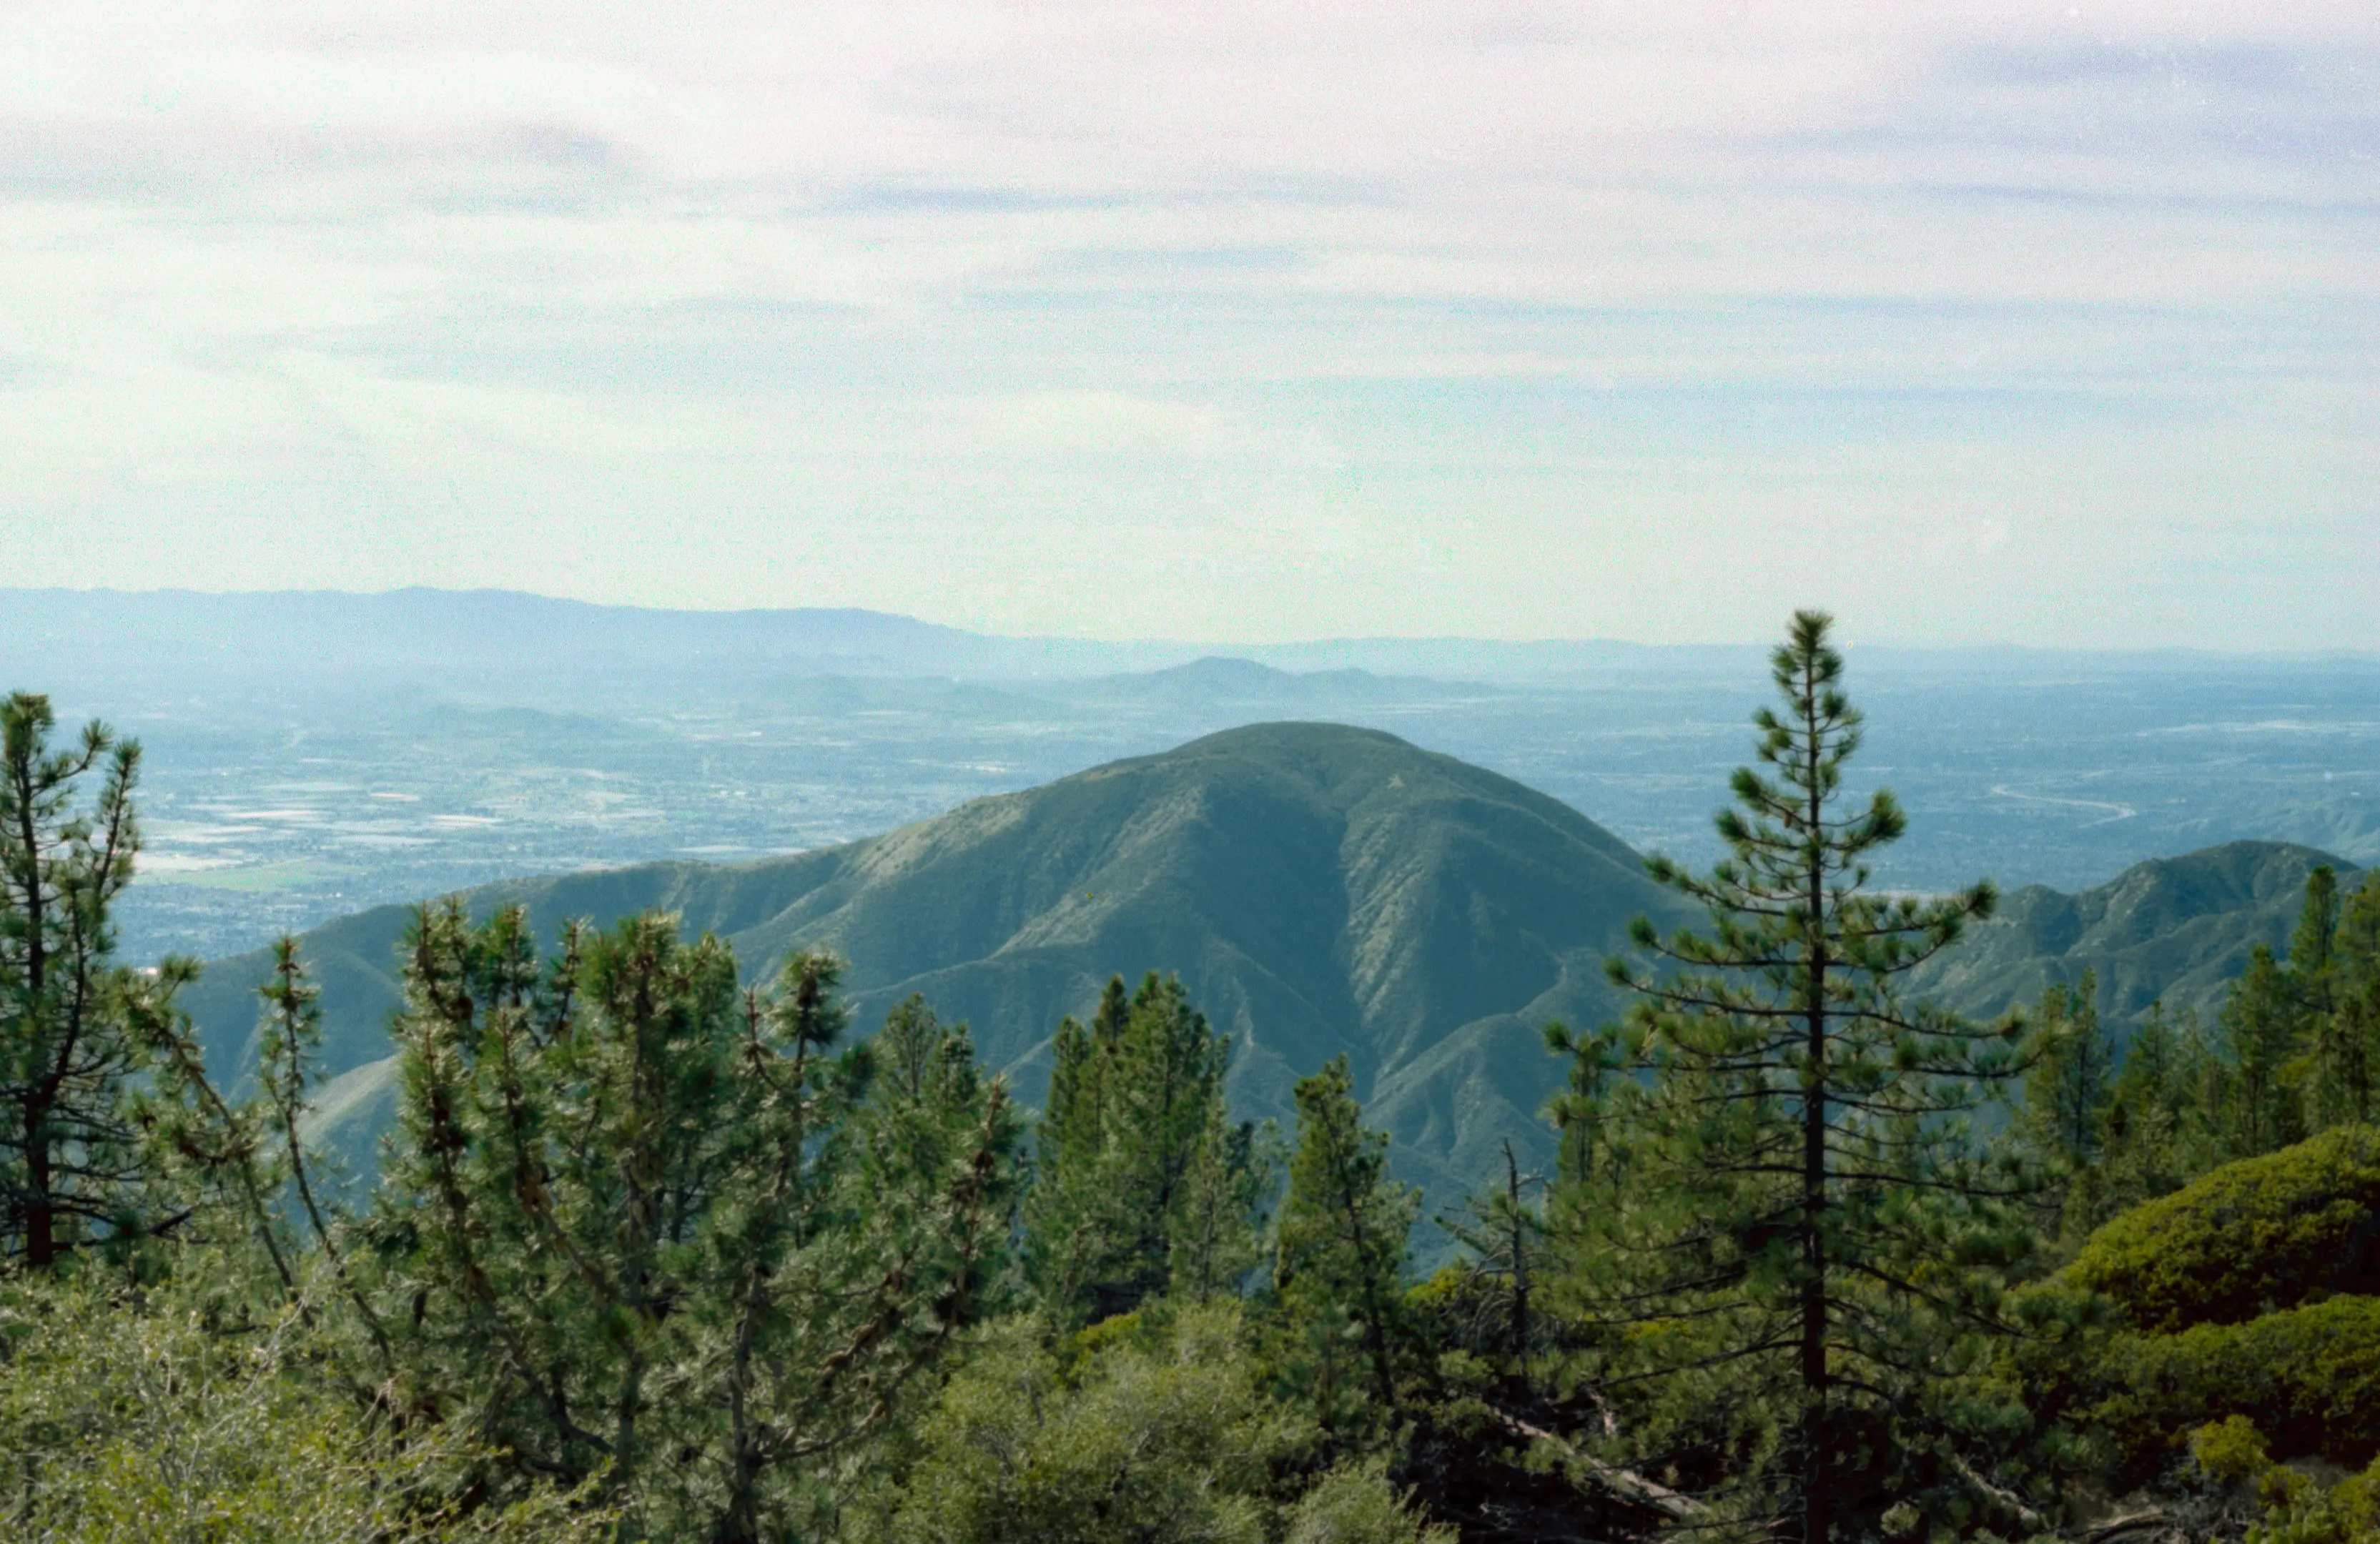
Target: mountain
<point>487,640</point>
<point>1319,889</point>
<point>1223,682</point>
<point>2173,929</point>
<point>509,644</point>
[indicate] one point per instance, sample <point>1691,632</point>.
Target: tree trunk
<point>1813,1163</point>
<point>41,1225</point>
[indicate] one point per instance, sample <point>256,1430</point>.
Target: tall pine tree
<point>653,1232</point>
<point>1807,1235</point>
<point>1340,1257</point>
<point>2257,1100</point>
<point>2066,1093</point>
<point>2350,1056</point>
<point>73,1165</point>
<point>1144,1184</point>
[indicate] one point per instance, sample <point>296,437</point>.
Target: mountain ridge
<point>1320,889</point>
<point>2175,930</point>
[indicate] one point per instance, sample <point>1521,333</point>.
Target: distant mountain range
<point>1319,889</point>
<point>504,642</point>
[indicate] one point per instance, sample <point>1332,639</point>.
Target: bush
<point>2348,1514</point>
<point>1159,1433</point>
<point>1355,1504</point>
<point>1155,1426</point>
<point>2231,1451</point>
<point>2307,1377</point>
<point>2249,1237</point>
<point>121,1424</point>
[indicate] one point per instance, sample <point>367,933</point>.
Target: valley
<point>326,754</point>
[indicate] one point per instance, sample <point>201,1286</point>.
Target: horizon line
<point>2172,652</point>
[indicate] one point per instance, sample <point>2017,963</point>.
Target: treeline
<point>657,1253</point>
<point>2294,1051</point>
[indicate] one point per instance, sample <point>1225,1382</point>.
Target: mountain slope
<point>2176,929</point>
<point>1320,890</point>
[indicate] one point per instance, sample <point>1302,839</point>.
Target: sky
<point>2056,324</point>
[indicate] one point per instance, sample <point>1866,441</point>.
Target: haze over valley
<point>316,761</point>
<point>312,755</point>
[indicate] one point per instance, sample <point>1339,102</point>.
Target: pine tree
<point>291,1038</point>
<point>1138,1157</point>
<point>2325,970</point>
<point>1808,1238</point>
<point>2155,1128</point>
<point>2313,943</point>
<point>73,1169</point>
<point>1341,1254</point>
<point>2350,1070</point>
<point>1504,1232</point>
<point>1074,1127</point>
<point>1214,1238</point>
<point>644,1229</point>
<point>2066,1094</point>
<point>2257,1094</point>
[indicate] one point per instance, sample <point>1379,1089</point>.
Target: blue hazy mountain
<point>496,640</point>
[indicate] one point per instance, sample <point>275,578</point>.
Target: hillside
<point>2176,929</point>
<point>1319,889</point>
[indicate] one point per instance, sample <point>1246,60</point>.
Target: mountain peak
<point>1320,889</point>
<point>2176,930</point>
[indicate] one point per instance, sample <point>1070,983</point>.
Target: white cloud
<point>1396,318</point>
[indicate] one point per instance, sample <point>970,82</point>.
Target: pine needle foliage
<point>1340,1261</point>
<point>645,1230</point>
<point>1804,1243</point>
<point>74,1166</point>
<point>1144,1184</point>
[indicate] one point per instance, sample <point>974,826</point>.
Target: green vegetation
<point>2290,1054</point>
<point>2261,1233</point>
<point>1340,1259</point>
<point>150,1418</point>
<point>1156,1430</point>
<point>1796,1178</point>
<point>1145,1185</point>
<point>2308,1377</point>
<point>654,1249</point>
<point>73,1169</point>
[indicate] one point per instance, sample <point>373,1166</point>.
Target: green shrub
<point>1160,1434</point>
<point>2230,1451</point>
<point>121,1424</point>
<point>1355,1504</point>
<point>2348,1514</point>
<point>2253,1236</point>
<point>2308,1377</point>
<point>1155,1427</point>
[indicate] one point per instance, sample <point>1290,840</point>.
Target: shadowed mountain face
<point>1319,889</point>
<point>2178,930</point>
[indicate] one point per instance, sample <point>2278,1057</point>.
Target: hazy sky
<point>2057,323</point>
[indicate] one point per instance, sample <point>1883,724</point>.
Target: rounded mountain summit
<point>1319,889</point>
